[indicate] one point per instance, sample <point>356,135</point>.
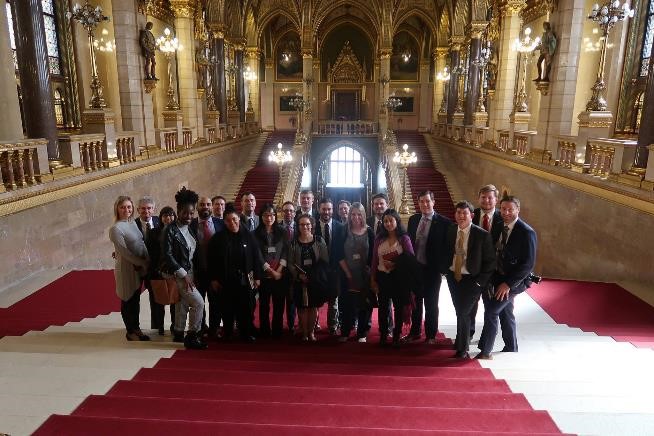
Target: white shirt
<point>490,219</point>
<point>466,237</point>
<point>190,241</point>
<point>385,248</point>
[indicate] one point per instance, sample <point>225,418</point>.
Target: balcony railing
<point>336,127</point>
<point>19,163</point>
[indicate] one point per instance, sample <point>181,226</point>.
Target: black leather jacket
<point>175,251</point>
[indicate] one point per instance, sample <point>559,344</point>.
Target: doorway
<point>345,105</point>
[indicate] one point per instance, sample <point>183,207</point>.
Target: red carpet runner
<point>263,178</point>
<point>73,297</point>
<point>423,176</point>
<point>602,308</point>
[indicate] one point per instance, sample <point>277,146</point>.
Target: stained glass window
<point>48,7</point>
<point>345,167</point>
<point>646,52</point>
<point>50,24</point>
<point>12,39</point>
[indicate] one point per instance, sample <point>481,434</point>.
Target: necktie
<point>421,227</point>
<point>205,231</point>
<point>148,227</point>
<point>486,224</point>
<point>251,221</point>
<point>458,256</point>
<point>500,254</point>
<point>289,232</point>
<point>505,236</point>
<point>326,234</point>
<point>378,229</point>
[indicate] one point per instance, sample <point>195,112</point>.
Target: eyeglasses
<point>289,210</point>
<point>305,225</point>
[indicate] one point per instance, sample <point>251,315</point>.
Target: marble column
<point>268,100</point>
<point>33,69</point>
<point>11,126</point>
<point>440,55</point>
<point>186,76</point>
<point>307,89</point>
<point>426,97</point>
<point>476,29</point>
<point>253,55</point>
<point>384,86</point>
<point>136,106</point>
<point>240,81</point>
<point>646,130</point>
<point>556,112</point>
<point>453,84</point>
<point>506,74</point>
<point>218,76</point>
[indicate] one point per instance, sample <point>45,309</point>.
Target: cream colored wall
<point>580,235</point>
<point>282,119</point>
<point>159,97</point>
<point>107,67</point>
<point>533,96</point>
<point>73,232</point>
<point>409,120</point>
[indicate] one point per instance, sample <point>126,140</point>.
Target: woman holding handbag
<point>178,247</point>
<point>305,255</point>
<point>131,265</point>
<point>354,258</point>
<point>274,252</point>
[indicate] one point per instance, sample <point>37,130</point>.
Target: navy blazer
<point>497,223</point>
<point>518,257</point>
<point>337,239</point>
<point>139,223</point>
<point>218,224</point>
<point>371,223</point>
<point>480,253</point>
<point>436,250</point>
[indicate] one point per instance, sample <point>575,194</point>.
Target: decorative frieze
<point>182,8</point>
<point>513,7</point>
<point>158,10</point>
<point>538,9</point>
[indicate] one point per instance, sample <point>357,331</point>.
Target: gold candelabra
<point>443,77</point>
<point>403,160</point>
<point>169,45</point>
<point>524,46</point>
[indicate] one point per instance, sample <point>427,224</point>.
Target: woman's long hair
<point>260,231</point>
<point>399,231</point>
<point>359,208</point>
<point>118,202</point>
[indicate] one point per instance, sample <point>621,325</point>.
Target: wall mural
<point>289,58</point>
<point>404,60</point>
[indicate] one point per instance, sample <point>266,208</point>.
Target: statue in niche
<point>148,49</point>
<point>547,47</point>
<point>491,69</point>
<point>202,62</point>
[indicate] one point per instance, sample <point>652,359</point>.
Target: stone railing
<point>21,162</point>
<point>168,139</point>
<point>504,141</point>
<point>336,127</point>
<point>479,136</point>
<point>87,151</point>
<point>566,153</point>
<point>522,142</point>
<point>126,145</point>
<point>187,138</point>
<point>211,134</point>
<point>605,157</point>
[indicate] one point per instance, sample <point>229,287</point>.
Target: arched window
<point>12,38</point>
<point>646,52</point>
<point>345,168</point>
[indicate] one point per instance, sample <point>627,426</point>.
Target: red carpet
<point>73,297</point>
<point>263,178</point>
<point>284,387</point>
<point>423,176</point>
<point>602,308</point>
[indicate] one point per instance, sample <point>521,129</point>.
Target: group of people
<point>312,257</point>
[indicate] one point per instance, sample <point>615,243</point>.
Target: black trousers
<point>465,295</point>
<point>130,311</point>
<point>276,290</point>
<point>388,295</point>
<point>430,291</point>
<point>236,303</point>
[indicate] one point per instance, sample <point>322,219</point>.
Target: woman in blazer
<point>178,247</point>
<point>274,253</point>
<point>391,242</point>
<point>131,266</point>
<point>307,250</point>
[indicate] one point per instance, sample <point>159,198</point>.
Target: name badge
<point>356,256</point>
<point>272,250</point>
<point>307,262</point>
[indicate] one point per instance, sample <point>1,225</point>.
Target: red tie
<point>205,231</point>
<point>486,223</point>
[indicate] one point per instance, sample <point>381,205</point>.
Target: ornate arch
<point>347,68</point>
<point>417,12</point>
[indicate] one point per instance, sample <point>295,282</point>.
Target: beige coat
<point>130,252</point>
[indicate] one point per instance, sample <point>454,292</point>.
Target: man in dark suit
<point>427,231</point>
<point>472,262</point>
<point>249,218</point>
<point>288,224</point>
<point>205,226</point>
<point>306,206</point>
<point>147,221</point>
<point>379,206</point>
<point>516,256</point>
<point>488,218</point>
<point>333,233</point>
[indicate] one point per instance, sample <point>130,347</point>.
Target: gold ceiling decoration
<point>537,9</point>
<point>159,10</point>
<point>347,68</point>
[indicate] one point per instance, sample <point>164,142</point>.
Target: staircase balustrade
<point>338,127</point>
<point>19,163</point>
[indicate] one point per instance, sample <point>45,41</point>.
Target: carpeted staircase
<point>423,176</point>
<point>263,178</point>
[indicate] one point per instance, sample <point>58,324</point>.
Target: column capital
<point>217,30</point>
<point>513,7</point>
<point>307,53</point>
<point>385,53</point>
<point>182,8</point>
<point>456,42</point>
<point>476,29</point>
<point>252,52</point>
<point>239,44</point>
<point>440,52</point>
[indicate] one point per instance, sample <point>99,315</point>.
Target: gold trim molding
<point>538,9</point>
<point>182,8</point>
<point>513,8</point>
<point>476,29</point>
<point>440,52</point>
<point>158,10</point>
<point>595,124</point>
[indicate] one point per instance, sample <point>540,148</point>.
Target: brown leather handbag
<point>165,290</point>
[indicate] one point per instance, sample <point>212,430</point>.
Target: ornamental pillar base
<point>102,121</point>
<point>480,119</point>
<point>592,124</point>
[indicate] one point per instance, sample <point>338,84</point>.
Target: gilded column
<point>440,60</point>
<point>187,79</point>
<point>384,86</point>
<point>453,84</point>
<point>252,55</point>
<point>506,74</point>
<point>33,69</point>
<point>11,126</point>
<point>307,89</point>
<point>218,76</point>
<point>476,30</point>
<point>240,80</point>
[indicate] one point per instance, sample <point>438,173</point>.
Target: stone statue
<point>202,64</point>
<point>148,48</point>
<point>547,47</point>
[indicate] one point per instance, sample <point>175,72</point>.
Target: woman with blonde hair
<point>131,265</point>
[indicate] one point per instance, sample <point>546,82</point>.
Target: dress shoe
<point>333,331</point>
<point>396,343</point>
<point>193,342</point>
<point>142,336</point>
<point>430,341</point>
<point>462,355</point>
<point>131,337</point>
<point>484,356</point>
<point>362,340</point>
<point>508,350</point>
<point>178,336</point>
<point>312,338</point>
<point>342,339</point>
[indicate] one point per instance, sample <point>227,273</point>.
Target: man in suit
<point>471,257</point>
<point>516,256</point>
<point>147,221</point>
<point>379,206</point>
<point>218,206</point>
<point>306,206</point>
<point>333,232</point>
<point>205,226</point>
<point>249,219</point>
<point>488,217</point>
<point>288,225</point>
<point>427,231</point>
